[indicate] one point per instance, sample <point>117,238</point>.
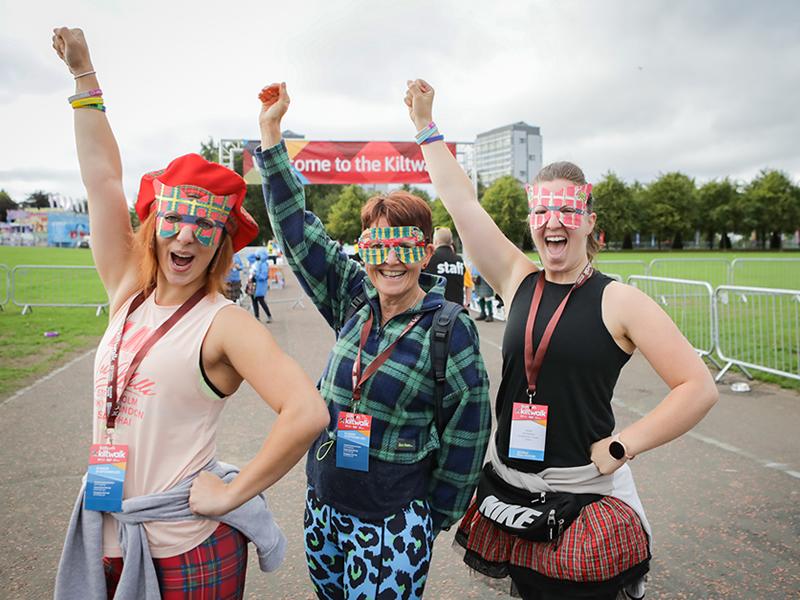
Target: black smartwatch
<point>617,449</point>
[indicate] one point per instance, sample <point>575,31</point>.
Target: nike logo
<point>510,515</point>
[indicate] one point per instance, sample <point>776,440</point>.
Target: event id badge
<point>352,441</point>
<point>105,478</point>
<point>528,431</point>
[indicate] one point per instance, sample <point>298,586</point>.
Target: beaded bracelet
<point>434,138</point>
<point>82,95</point>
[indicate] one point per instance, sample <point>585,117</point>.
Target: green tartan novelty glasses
<point>407,242</point>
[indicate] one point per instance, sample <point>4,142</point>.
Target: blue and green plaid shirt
<point>400,395</point>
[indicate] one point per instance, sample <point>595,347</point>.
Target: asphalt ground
<point>722,500</point>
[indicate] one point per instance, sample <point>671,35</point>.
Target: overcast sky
<point>639,88</point>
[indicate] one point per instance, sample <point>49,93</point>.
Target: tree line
<point>670,209</point>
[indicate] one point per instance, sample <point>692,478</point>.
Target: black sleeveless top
<point>577,378</point>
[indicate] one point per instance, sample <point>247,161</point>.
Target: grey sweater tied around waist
<point>80,571</point>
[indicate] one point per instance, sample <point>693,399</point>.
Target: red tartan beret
<point>194,170</point>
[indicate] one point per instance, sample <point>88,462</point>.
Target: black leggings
<point>260,300</point>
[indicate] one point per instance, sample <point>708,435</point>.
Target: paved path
<point>723,501</point>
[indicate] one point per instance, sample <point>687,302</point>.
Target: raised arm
<point>502,264</point>
<point>636,321</point>
<point>328,276</point>
<point>101,171</point>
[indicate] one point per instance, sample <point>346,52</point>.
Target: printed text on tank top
<point>112,394</point>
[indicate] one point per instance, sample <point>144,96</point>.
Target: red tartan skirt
<point>214,569</point>
<point>605,540</point>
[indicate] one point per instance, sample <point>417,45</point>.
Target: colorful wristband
<point>427,133</point>
<point>435,138</point>
<point>87,101</point>
<point>428,127</point>
<point>82,95</point>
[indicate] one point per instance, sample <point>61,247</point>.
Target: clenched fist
<point>209,496</point>
<point>419,99</point>
<point>71,47</point>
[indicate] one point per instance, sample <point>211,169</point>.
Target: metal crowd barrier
<point>765,272</point>
<point>57,285</point>
<point>622,268</point>
<point>715,271</point>
<point>5,282</point>
<point>689,303</point>
<point>758,328</point>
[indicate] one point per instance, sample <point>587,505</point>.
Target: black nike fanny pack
<point>538,517</point>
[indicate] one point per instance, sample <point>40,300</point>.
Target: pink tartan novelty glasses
<point>569,205</point>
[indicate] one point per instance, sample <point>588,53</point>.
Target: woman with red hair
<point>403,451</point>
<point>164,517</point>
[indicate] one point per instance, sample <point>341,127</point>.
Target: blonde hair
<point>144,246</point>
<point>572,173</point>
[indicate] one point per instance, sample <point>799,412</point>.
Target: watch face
<point>617,450</point>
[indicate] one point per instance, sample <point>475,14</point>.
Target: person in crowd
<point>446,263</point>
<point>556,509</point>
<point>485,295</point>
<point>259,283</point>
<point>401,457</point>
<point>157,515</point>
<point>233,282</point>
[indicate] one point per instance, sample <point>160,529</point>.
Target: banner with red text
<point>350,162</point>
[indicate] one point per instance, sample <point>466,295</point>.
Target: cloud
<point>22,73</point>
<point>638,88</point>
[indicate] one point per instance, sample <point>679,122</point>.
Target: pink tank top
<point>168,416</point>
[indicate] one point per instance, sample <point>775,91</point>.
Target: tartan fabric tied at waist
<point>606,540</point>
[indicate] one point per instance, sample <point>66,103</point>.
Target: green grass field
<point>755,328</point>
<point>24,351</point>
<point>758,269</point>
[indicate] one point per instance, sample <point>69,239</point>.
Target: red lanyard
<point>358,379</point>
<point>533,362</point>
<point>112,399</point>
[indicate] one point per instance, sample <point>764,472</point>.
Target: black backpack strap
<point>359,300</point>
<point>444,319</point>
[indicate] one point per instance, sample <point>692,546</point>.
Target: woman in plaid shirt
<point>382,481</point>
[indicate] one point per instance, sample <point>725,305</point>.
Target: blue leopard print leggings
<point>353,559</point>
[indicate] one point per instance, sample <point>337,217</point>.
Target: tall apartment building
<point>514,149</point>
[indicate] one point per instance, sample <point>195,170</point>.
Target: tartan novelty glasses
<point>569,205</point>
<point>201,210</point>
<point>407,242</point>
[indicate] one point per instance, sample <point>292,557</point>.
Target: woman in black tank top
<point>570,330</point>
